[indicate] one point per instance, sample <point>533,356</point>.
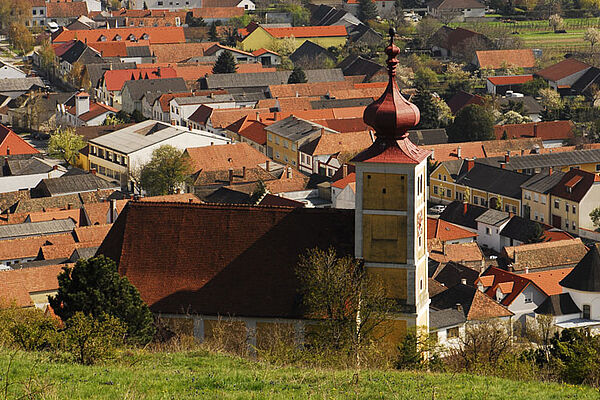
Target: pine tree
<point>367,10</point>
<point>225,64</point>
<point>212,33</point>
<point>429,115</point>
<point>297,76</point>
<point>472,123</point>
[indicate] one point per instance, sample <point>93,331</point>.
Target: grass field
<point>199,375</point>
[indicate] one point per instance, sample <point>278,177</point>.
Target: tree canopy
<point>95,288</point>
<point>225,64</point>
<point>165,172</point>
<point>65,144</point>
<point>367,10</point>
<point>472,123</point>
<point>297,76</point>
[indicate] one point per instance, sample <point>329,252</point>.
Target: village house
<point>552,133</point>
<point>504,59</point>
<point>501,84</point>
<point>154,35</point>
<point>134,91</point>
<point>456,10</point>
<point>536,198</point>
<point>563,75</point>
<point>249,130</point>
<point>526,258</point>
<point>265,38</point>
<point>80,111</point>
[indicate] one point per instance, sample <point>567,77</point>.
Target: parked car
<point>437,209</point>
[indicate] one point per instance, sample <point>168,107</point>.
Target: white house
<point>489,226</point>
<point>80,111</point>
<point>18,177</point>
<point>180,108</point>
<point>117,156</point>
<point>8,71</point>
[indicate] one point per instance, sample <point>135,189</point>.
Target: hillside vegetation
<point>198,375</point>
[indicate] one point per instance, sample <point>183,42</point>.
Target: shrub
<point>27,328</point>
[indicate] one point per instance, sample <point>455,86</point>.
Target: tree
<point>300,14</point>
<point>367,10</point>
<point>65,144</point>
<point>484,343</point>
<point>20,38</point>
<point>472,123</point>
<point>297,76</point>
<point>533,87</point>
<point>90,339</point>
<point>425,78</point>
<point>196,22</point>
<point>225,64</point>
<point>212,32</point>
<point>457,79</point>
<point>429,112</point>
<point>165,172</point>
<point>595,217</point>
<point>425,29</point>
<point>95,288</point>
<point>513,117</point>
<point>555,21</point>
<point>536,234</point>
<point>553,104</point>
<point>592,35</point>
<point>115,4</point>
<point>47,57</point>
<point>349,302</point>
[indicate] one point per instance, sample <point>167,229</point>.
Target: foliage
<point>592,35</point>
<point>284,47</point>
<point>165,172</point>
<point>240,22</point>
<point>259,191</point>
<point>14,12</point>
<point>196,22</point>
<point>65,144</point>
<point>424,30</point>
<point>47,56</point>
<point>472,123</point>
<point>425,78</point>
<point>350,303</point>
<point>457,79</point>
<point>537,235</point>
<point>113,119</point>
<point>533,87</point>
<point>513,117</point>
<point>297,76</point>
<point>90,340</point>
<point>114,4</point>
<point>300,14</point>
<point>367,10</point>
<point>94,287</point>
<point>550,99</point>
<point>213,35</point>
<point>595,217</point>
<point>575,355</point>
<point>27,328</point>
<point>20,38</point>
<point>225,64</point>
<point>555,21</point>
<point>429,112</point>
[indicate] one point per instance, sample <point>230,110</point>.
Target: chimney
<point>230,175</point>
<point>507,157</point>
<point>550,170</point>
<point>463,281</point>
<point>458,152</point>
<point>69,206</point>
<point>82,102</point>
<point>458,307</point>
<point>113,211</point>
<point>268,165</point>
<point>289,172</point>
<point>522,152</point>
<point>503,165</point>
<point>93,171</point>
<point>526,269</point>
<point>470,163</point>
<point>244,172</point>
<point>55,167</point>
<point>432,154</point>
<point>158,72</point>
<point>258,116</point>
<point>534,130</point>
<point>344,170</point>
<point>465,207</point>
<point>275,116</point>
<point>190,201</point>
<point>372,136</point>
<point>8,150</point>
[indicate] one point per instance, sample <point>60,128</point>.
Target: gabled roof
<point>11,143</point>
<point>509,80</point>
<point>454,4</point>
<point>511,285</point>
<point>36,228</point>
<point>137,89</point>
<point>562,253</point>
<point>586,274</point>
<point>455,213</point>
<point>179,52</point>
<point>308,31</point>
<point>336,143</point>
<point>71,9</point>
<point>115,79</point>
<point>590,78</point>
<point>264,79</point>
<point>223,13</point>
<point>447,318</point>
<point>543,182</point>
<point>475,305</point>
<point>29,247</point>
<point>294,128</point>
<point>493,179</point>
<point>462,99</point>
<point>446,231</point>
<point>209,278</point>
<point>224,157</point>
<point>310,51</point>
<point>18,285</point>
<point>493,217</point>
<point>522,229</point>
<point>546,130</point>
<point>574,185</point>
<point>453,273</point>
<point>155,35</point>
<point>72,184</point>
<point>497,59</point>
<point>250,129</point>
<point>563,69</point>
<point>549,281</point>
<point>357,65</point>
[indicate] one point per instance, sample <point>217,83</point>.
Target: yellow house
<point>536,197</point>
<point>267,38</point>
<point>478,184</point>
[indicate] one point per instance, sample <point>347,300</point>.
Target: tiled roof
<point>548,281</point>
<point>156,35</point>
<point>453,273</point>
<point>548,255</point>
<point>574,185</point>
<point>29,247</point>
<point>462,99</point>
<point>179,52</point>
<point>563,69</point>
<point>137,89</point>
<point>218,12</point>
<point>547,130</point>
<point>172,198</point>
<point>441,319</point>
<point>96,110</point>
<point>475,305</point>
<point>558,304</point>
<point>510,80</point>
<point>72,9</point>
<point>8,199</point>
<point>455,213</point>
<point>497,59</point>
<point>93,233</point>
<point>62,251</point>
<point>435,287</point>
<point>28,229</point>
<point>250,129</point>
<point>223,157</point>
<point>459,253</point>
<point>11,143</point>
<point>74,214</point>
<point>343,182</point>
<point>165,99</point>
<point>335,143</point>
<point>210,278</point>
<point>493,217</point>
<point>446,231</point>
<point>115,79</point>
<point>97,213</point>
<point>308,31</point>
<point>482,149</point>
<point>543,182</point>
<point>493,179</point>
<point>511,285</point>
<point>17,285</point>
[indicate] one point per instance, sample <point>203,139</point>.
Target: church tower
<point>391,206</point>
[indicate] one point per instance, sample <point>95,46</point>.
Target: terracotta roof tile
<point>172,198</point>
<point>116,78</point>
<point>548,281</point>
<point>156,35</point>
<point>179,52</point>
<point>545,255</point>
<point>66,9</point>
<point>510,80</point>
<point>218,12</point>
<point>93,233</point>
<point>308,31</point>
<point>497,59</point>
<point>17,285</point>
<point>449,151</point>
<point>62,251</point>
<point>74,214</point>
<point>97,213</point>
<point>547,130</point>
<point>347,142</point>
<point>342,183</point>
<point>29,247</point>
<point>96,109</point>
<point>10,141</point>
<point>446,231</point>
<point>250,129</point>
<point>563,69</point>
<point>224,157</point>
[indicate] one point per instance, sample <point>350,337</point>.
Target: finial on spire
<point>392,52</point>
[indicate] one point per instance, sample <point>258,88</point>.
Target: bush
<point>27,328</point>
<point>90,340</point>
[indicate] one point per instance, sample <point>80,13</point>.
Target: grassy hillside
<point>201,375</point>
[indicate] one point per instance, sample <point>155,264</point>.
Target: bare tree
<point>484,343</point>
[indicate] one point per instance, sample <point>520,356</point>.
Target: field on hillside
<point>200,375</point>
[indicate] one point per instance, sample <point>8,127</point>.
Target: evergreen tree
<point>297,76</point>
<point>367,10</point>
<point>429,113</point>
<point>212,32</point>
<point>536,234</point>
<point>472,123</point>
<point>94,287</point>
<point>225,64</point>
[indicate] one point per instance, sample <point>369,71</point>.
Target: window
<point>514,209</point>
<point>276,139</point>
<point>536,197</point>
<point>567,224</point>
<point>435,190</point>
<point>270,137</point>
<point>574,225</point>
<point>34,11</point>
<point>285,158</point>
<point>587,311</point>
<point>556,204</point>
<point>277,154</point>
<point>475,200</point>
<point>528,297</point>
<point>541,218</point>
<point>444,178</point>
<point>488,231</point>
<point>566,207</point>
<point>448,193</point>
<point>535,215</point>
<point>440,177</point>
<point>527,195</point>
<point>452,333</point>
<point>573,209</point>
<point>285,143</point>
<point>543,199</point>
<point>506,208</point>
<point>294,146</point>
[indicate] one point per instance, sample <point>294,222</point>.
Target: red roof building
<point>12,144</point>
<point>547,130</point>
<point>154,35</point>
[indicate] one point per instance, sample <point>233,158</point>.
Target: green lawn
<point>199,375</point>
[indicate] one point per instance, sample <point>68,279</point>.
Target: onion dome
<point>391,116</point>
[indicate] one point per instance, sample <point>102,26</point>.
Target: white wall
<point>491,240</point>
<point>18,182</point>
<point>520,308</point>
<point>343,198</point>
<point>580,298</point>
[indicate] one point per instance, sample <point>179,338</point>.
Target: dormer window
<point>145,36</point>
<point>499,295</point>
<point>102,38</point>
<point>131,38</point>
<point>117,38</point>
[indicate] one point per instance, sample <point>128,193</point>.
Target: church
<point>196,264</point>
